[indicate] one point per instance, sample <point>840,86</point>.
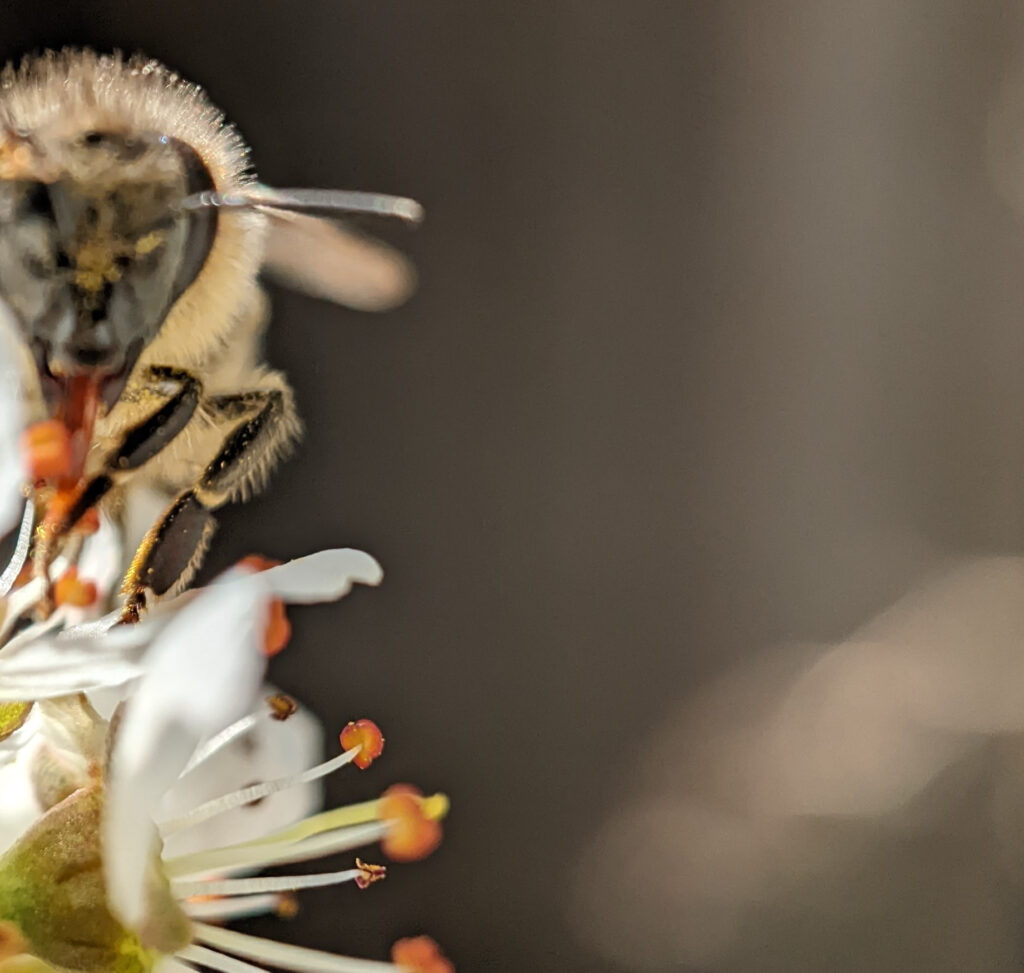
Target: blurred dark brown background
<point>718,343</point>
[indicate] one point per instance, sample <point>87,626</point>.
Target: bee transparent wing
<point>308,250</point>
<point>321,258</point>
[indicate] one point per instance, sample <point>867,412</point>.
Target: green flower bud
<point>52,890</point>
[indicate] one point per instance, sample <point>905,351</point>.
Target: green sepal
<point>52,887</point>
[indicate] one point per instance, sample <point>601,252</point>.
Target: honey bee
<point>132,234</point>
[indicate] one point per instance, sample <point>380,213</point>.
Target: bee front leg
<point>178,392</point>
<point>263,426</point>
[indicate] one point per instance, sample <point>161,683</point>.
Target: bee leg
<point>263,427</point>
<point>180,393</point>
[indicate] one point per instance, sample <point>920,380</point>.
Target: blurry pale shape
<point>697,848</point>
<point>841,742</point>
<point>848,807</point>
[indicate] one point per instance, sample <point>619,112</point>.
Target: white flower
<point>53,659</point>
<point>193,695</point>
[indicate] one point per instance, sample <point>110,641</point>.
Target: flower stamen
<point>71,589</point>
<point>420,954</point>
<point>255,792</point>
<point>283,955</point>
<point>47,449</point>
<point>270,883</point>
<point>370,873</point>
<point>413,833</point>
<point>366,735</point>
<point>238,907</point>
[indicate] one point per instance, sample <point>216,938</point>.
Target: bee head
<point>95,248</point>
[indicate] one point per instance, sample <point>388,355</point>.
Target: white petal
<point>48,667</point>
<point>202,673</point>
<point>324,576</point>
<point>12,470</point>
<point>19,807</point>
<point>271,749</point>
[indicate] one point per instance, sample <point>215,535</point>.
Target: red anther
<point>420,954</point>
<point>257,562</point>
<point>70,589</point>
<point>365,734</point>
<point>411,834</point>
<point>278,631</point>
<point>369,874</point>
<point>47,448</point>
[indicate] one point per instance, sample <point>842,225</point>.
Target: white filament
<point>220,741</point>
<point>272,883</point>
<point>217,961</point>
<point>255,792</point>
<point>17,562</point>
<point>240,907</point>
<point>264,854</point>
<point>283,955</point>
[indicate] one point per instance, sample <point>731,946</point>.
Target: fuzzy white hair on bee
<point>132,234</point>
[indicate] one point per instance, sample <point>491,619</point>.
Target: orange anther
<point>411,834</point>
<point>287,906</point>
<point>257,562</point>
<point>278,631</point>
<point>12,942</point>
<point>70,589</point>
<point>25,575</point>
<point>365,734</point>
<point>59,507</point>
<point>60,504</point>
<point>420,954</point>
<point>89,522</point>
<point>369,873</point>
<point>47,448</point>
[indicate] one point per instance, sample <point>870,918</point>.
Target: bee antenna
<point>330,203</point>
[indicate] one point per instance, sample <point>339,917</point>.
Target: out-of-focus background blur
<point>719,348</point>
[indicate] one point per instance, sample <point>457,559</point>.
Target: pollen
<point>366,735</point>
<point>47,448</point>
<point>412,833</point>
<point>70,589</point>
<point>147,244</point>
<point>420,954</point>
<point>368,874</point>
